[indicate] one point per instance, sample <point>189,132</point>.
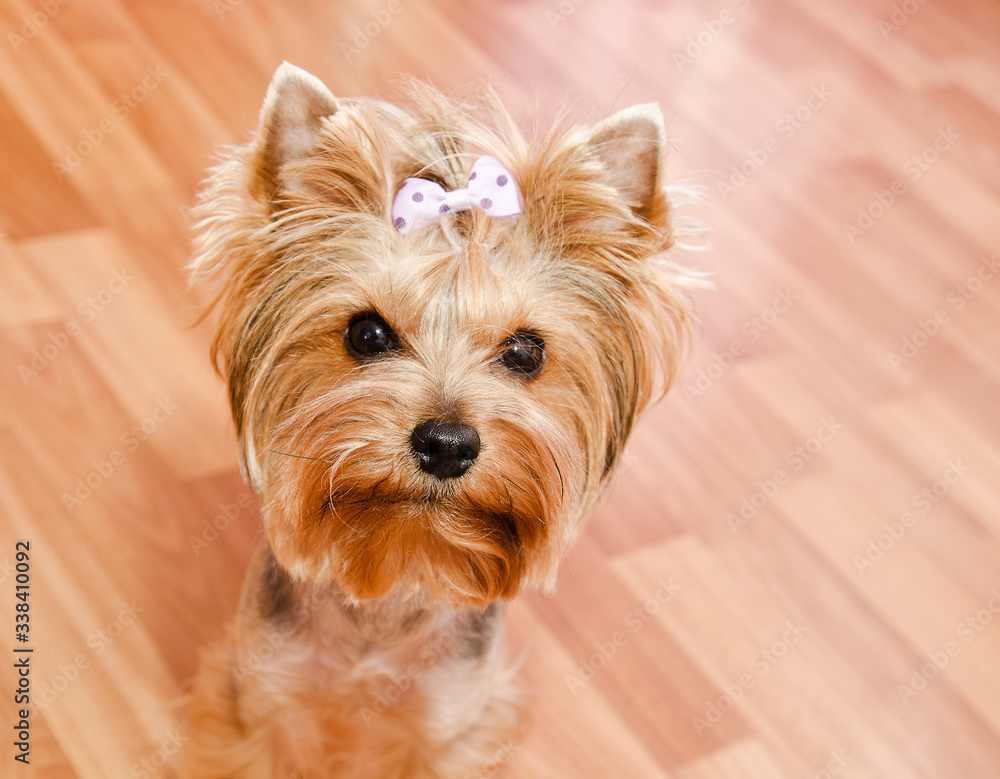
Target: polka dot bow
<point>421,202</point>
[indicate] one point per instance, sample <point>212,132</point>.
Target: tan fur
<point>368,560</point>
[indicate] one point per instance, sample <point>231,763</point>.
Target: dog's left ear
<point>296,104</point>
<point>630,146</point>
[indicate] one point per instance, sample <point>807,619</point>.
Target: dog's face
<point>435,411</point>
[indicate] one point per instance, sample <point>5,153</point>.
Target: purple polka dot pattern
<point>422,202</point>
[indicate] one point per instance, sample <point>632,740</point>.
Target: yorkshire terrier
<point>437,335</point>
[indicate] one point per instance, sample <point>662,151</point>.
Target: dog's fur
<point>368,640</point>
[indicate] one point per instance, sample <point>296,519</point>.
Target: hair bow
<point>421,202</point>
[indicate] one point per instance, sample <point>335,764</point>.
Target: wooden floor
<point>798,572</point>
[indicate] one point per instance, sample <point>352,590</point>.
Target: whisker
<point>305,435</point>
<point>539,477</point>
<point>562,485</point>
<point>301,456</point>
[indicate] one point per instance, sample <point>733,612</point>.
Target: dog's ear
<point>296,104</point>
<point>630,146</point>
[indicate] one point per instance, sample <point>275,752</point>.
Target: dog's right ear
<point>630,146</point>
<point>290,122</point>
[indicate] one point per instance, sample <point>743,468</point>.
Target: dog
<point>436,334</point>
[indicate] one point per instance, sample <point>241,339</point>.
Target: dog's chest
<point>342,682</point>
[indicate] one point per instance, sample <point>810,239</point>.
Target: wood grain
<point>805,529</point>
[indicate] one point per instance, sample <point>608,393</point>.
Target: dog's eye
<point>523,353</point>
<point>368,335</point>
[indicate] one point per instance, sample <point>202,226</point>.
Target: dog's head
<point>435,409</point>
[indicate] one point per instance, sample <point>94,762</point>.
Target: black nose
<point>445,449</point>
